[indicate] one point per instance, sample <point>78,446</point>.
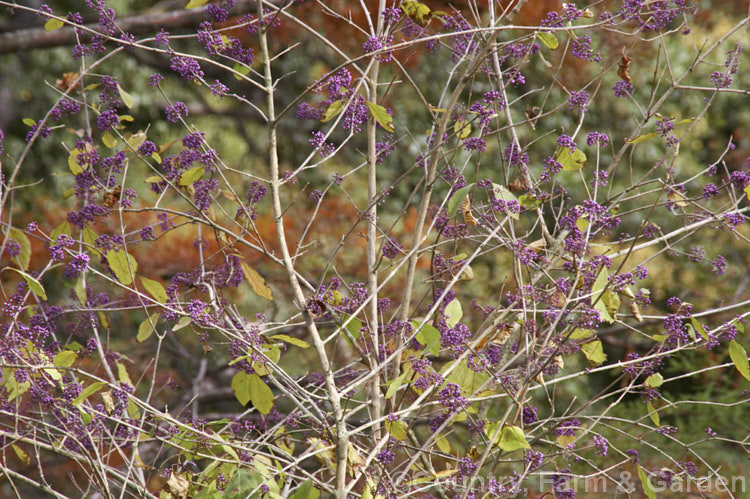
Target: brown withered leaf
<point>466,208</point>
<point>624,70</point>
<point>519,184</point>
<point>111,198</point>
<point>67,82</point>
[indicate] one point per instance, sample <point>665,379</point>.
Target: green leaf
<point>241,387</point>
<point>28,122</point>
<point>395,385</point>
<point>594,352</point>
<point>654,381</point>
<point>642,138</point>
<point>64,358</point>
<point>190,176</point>
<point>147,327</point>
<point>501,192</point>
<point>571,160</point>
<point>417,11</point>
<point>89,237</point>
<point>87,392</point>
<point>257,282</point>
<point>648,489</point>
<point>397,429</point>
<point>127,99</point>
<point>548,39</point>
<point>63,228</point>
<point>354,326</point>
<point>306,491</point>
<point>80,291</point>
<point>53,24</point>
<point>155,289</point>
<point>24,257</point>
<point>429,336</point>
<point>739,356</point>
<point>512,438</point>
<point>579,334</point>
<point>182,323</point>
<point>291,340</point>
<point>453,313</point>
<point>108,140</point>
<point>381,116</point>
<point>34,285</point>
<point>118,262</point>
<point>195,3</point>
<point>334,109</point>
<point>458,196</point>
<point>462,129</point>
<point>529,201</point>
<point>699,327</point>
<point>653,413</point>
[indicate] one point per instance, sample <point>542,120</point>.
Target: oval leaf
<point>155,289</point>
<point>571,160</point>
<point>739,357</point>
<point>24,257</point>
<point>512,438</point>
<point>147,327</point>
<point>121,264</point>
<point>453,312</point>
<point>458,196</point>
<point>34,285</point>
<point>257,282</point>
<point>548,39</point>
<point>334,109</point>
<point>291,340</point>
<point>53,24</point>
<point>261,394</point>
<point>381,116</point>
<point>127,99</point>
<point>189,177</point>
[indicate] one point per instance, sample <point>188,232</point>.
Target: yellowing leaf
<point>676,198</point>
<point>291,340</point>
<point>396,384</point>
<point>397,429</point>
<point>127,99</point>
<point>108,140</point>
<point>21,454</point>
<point>512,438</point>
<point>34,285</point>
<point>381,116</point>
<point>462,128</point>
<point>594,352</point>
<point>64,358</point>
<point>155,289</point>
<point>334,109</point>
<point>654,381</point>
<point>653,413</point>
<point>195,3</point>
<point>548,39</point>
<point>261,394</point>
<point>147,327</point>
<point>190,176</point>
<point>648,489</point>
<point>24,256</point>
<point>257,282</point>
<point>28,122</point>
<point>453,312</point>
<point>87,392</point>
<point>122,264</point>
<point>417,11</point>
<point>53,24</point>
<point>571,160</point>
<point>642,138</point>
<point>739,357</point>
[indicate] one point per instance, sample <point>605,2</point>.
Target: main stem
<point>341,436</point>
